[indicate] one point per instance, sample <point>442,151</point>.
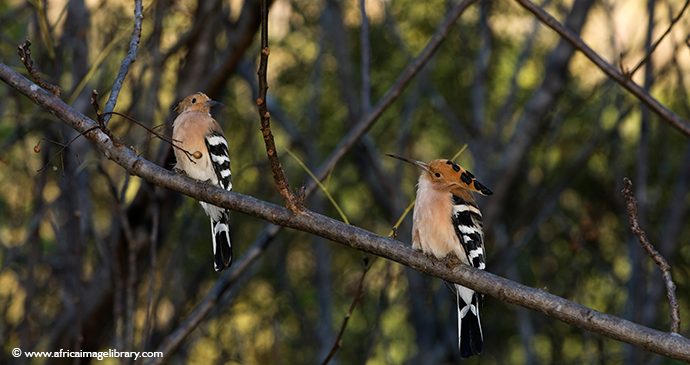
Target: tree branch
<point>671,345</point>
<point>338,343</point>
<point>665,114</point>
<point>24,51</point>
<point>658,41</point>
<point>631,207</point>
<point>126,62</point>
<point>291,201</point>
<point>222,285</point>
<point>391,95</point>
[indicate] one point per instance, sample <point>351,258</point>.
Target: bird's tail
<point>222,246</point>
<point>470,338</point>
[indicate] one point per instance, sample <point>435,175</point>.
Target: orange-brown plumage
<point>446,220</point>
<point>201,151</point>
<point>190,129</point>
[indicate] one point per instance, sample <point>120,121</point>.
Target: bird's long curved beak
<point>419,164</point>
<point>212,103</point>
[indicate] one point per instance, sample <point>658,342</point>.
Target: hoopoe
<point>446,220</point>
<point>202,153</point>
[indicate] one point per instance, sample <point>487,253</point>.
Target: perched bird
<point>201,151</point>
<point>446,220</point>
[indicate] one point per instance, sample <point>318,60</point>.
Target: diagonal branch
<point>658,41</point>
<point>291,201</point>
<point>664,113</point>
<point>667,344</point>
<point>391,95</point>
<point>631,207</point>
<point>126,62</point>
<point>358,297</point>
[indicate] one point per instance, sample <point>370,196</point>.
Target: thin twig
<point>292,202</point>
<point>656,43</point>
<point>24,51</point>
<point>44,26</point>
<point>168,140</point>
<point>631,207</point>
<point>392,94</point>
<point>63,147</point>
<point>323,188</point>
<point>126,62</point>
<point>227,280</point>
<point>358,297</point>
<point>99,115</point>
<point>100,118</point>
<point>96,107</point>
<point>664,113</point>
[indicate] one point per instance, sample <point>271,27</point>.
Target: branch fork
<point>659,260</point>
<point>292,202</point>
<point>24,51</point>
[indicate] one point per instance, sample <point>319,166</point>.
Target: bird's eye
<point>437,174</point>
<point>193,100</point>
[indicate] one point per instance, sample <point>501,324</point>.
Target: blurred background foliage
<point>92,258</point>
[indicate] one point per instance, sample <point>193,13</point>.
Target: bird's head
<point>447,175</point>
<point>198,102</point>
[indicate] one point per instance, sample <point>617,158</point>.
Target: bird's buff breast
<point>432,230</point>
<point>196,168</point>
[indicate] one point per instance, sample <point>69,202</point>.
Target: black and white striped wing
<point>217,147</point>
<point>467,221</point>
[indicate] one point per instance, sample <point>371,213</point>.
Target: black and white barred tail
<point>222,246</point>
<point>470,337</point>
<point>467,220</point>
<point>217,147</point>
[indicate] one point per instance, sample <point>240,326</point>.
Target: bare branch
<point>292,202</point>
<point>126,62</point>
<point>358,297</point>
<point>631,206</point>
<point>656,43</point>
<point>392,94</point>
<point>24,51</point>
<point>671,345</point>
<point>664,113</point>
<point>63,147</point>
<point>224,283</point>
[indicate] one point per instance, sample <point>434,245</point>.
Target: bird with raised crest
<point>447,221</point>
<point>201,151</point>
